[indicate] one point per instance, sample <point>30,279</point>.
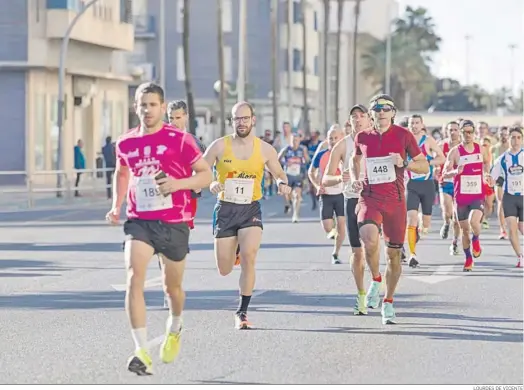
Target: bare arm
<point>120,184</point>
<point>438,158</point>
<point>418,164</point>
<point>338,155</point>
<point>486,160</point>
<point>281,154</point>
<point>201,178</point>
<point>273,162</point>
<point>355,165</point>
<point>448,171</point>
<point>213,153</point>
<point>306,154</point>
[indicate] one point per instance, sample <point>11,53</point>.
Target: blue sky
<point>493,26</point>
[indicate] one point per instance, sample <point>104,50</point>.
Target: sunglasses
<point>384,108</point>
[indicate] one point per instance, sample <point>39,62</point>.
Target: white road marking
<point>441,274</point>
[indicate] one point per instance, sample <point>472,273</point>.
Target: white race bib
<point>239,191</point>
<point>148,197</point>
<point>515,184</point>
<point>471,184</point>
<point>293,169</point>
<point>380,170</point>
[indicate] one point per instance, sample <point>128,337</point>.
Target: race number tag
<point>239,191</point>
<point>471,184</point>
<point>380,170</point>
<point>515,184</point>
<point>148,197</point>
<point>293,169</point>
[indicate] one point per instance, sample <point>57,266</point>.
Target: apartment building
<point>375,21</point>
<point>96,83</point>
<point>144,61</point>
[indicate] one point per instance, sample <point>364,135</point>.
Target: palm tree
<point>340,14</point>
<point>420,27</point>
<point>187,70</point>
<point>303,5</point>
<point>221,70</point>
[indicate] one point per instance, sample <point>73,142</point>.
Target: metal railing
<point>93,183</point>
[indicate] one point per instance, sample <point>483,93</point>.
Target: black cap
<point>360,107</point>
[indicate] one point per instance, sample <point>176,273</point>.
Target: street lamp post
<point>61,82</point>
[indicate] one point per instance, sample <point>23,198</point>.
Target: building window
<point>227,16</point>
<point>297,13</point>
<point>315,66</point>
<point>180,71</point>
<point>179,16</point>
<point>40,133</point>
<point>315,21</point>
<point>297,60</point>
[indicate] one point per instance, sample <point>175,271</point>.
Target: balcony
<point>96,26</point>
<point>145,26</point>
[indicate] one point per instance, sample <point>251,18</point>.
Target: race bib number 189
<point>239,191</point>
<point>148,197</point>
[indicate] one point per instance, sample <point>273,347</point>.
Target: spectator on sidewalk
<point>80,163</point>
<point>108,151</point>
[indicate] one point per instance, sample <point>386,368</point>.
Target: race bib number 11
<point>239,191</point>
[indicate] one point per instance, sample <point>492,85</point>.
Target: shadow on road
<point>34,268</point>
<point>117,247</point>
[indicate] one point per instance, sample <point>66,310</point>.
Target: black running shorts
<point>229,218</point>
<point>168,239</point>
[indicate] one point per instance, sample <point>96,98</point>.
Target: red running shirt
<point>468,186</point>
<point>169,150</point>
<point>383,180</point>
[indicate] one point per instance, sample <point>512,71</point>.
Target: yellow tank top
<point>230,167</point>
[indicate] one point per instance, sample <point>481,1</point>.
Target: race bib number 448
<point>380,170</point>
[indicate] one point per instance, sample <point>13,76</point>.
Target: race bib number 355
<point>148,197</point>
<point>239,191</point>
<point>380,170</point>
<point>471,184</point>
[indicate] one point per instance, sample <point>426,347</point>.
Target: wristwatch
<point>405,163</point>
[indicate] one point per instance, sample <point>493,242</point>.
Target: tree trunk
<point>325,116</point>
<point>221,70</point>
<point>355,52</point>
<point>274,59</point>
<point>340,13</point>
<point>303,5</point>
<point>187,72</point>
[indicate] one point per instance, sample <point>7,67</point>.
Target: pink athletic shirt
<point>468,186</point>
<point>170,150</point>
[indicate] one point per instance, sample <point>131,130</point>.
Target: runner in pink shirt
<point>468,164</point>
<point>154,170</point>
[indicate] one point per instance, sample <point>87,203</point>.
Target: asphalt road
<point>62,318</point>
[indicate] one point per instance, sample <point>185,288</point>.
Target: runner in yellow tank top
<point>245,176</point>
<point>239,160</point>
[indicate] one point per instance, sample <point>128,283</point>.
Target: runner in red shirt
<point>154,169</point>
<point>385,150</point>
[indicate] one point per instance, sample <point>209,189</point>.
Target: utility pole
<point>303,6</point>
<point>274,53</point>
<point>512,48</point>
<point>242,38</point>
<point>61,82</point>
<point>388,54</point>
<point>290,70</point>
<point>221,70</point>
<point>468,39</point>
<point>162,46</point>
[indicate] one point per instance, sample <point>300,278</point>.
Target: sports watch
<point>405,163</point>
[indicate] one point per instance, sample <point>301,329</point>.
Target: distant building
<point>96,79</point>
